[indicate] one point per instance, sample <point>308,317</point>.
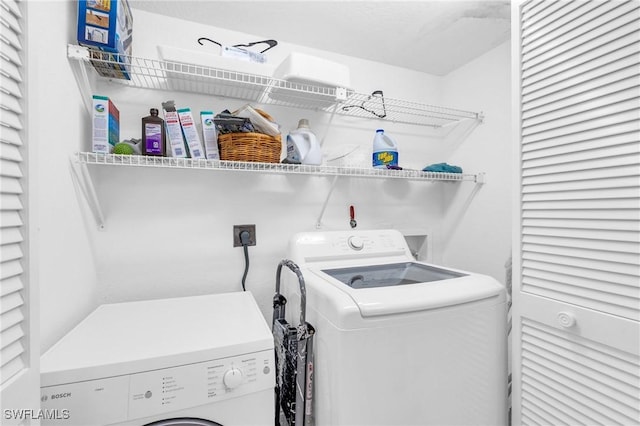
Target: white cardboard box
<point>191,133</point>
<point>209,135</point>
<point>174,130</point>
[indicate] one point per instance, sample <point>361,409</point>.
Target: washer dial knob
<point>355,243</point>
<point>232,378</point>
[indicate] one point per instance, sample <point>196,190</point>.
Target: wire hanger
<point>375,94</point>
<point>271,43</point>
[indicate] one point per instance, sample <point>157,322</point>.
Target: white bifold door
<point>576,312</point>
<point>19,349</point>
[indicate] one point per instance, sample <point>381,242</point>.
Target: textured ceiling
<point>430,36</point>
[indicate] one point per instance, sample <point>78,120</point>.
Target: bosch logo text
<point>61,395</point>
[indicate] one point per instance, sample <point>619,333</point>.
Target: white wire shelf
<point>276,168</point>
<point>176,76</point>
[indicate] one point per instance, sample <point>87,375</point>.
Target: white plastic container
<point>306,69</point>
<point>385,150</point>
<point>301,69</point>
<point>302,145</point>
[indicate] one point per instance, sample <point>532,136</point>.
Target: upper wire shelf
<point>176,76</point>
<point>276,168</point>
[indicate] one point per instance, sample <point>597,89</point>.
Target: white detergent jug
<point>302,145</point>
<point>385,150</point>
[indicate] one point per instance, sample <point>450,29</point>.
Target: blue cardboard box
<point>106,27</point>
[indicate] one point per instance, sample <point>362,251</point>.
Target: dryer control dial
<point>355,243</point>
<point>232,378</point>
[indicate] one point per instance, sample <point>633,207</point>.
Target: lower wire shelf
<point>278,168</point>
<point>81,160</point>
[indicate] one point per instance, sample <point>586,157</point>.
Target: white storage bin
<point>300,71</point>
<point>306,69</point>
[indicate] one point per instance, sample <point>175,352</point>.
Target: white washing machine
<point>398,342</point>
<point>190,361</point>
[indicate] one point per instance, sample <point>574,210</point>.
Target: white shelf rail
<point>167,75</point>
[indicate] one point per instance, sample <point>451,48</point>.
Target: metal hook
<point>208,39</point>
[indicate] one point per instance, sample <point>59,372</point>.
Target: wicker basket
<point>256,147</point>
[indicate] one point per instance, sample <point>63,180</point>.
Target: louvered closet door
<point>577,283</point>
<point>18,377</point>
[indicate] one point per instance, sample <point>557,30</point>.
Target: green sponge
<point>123,148</point>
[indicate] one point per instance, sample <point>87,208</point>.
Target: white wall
<point>169,232</point>
<point>62,261</point>
<point>477,221</point>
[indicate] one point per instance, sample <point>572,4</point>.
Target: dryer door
<point>183,421</point>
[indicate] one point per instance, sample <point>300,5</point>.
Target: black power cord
<point>245,238</point>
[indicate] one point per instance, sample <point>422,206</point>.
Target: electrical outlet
<point>237,229</point>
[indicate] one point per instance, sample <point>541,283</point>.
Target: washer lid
<point>381,276</point>
<point>388,275</point>
<point>396,288</point>
<point>125,338</point>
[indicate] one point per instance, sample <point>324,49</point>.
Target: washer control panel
<point>322,246</point>
<point>121,398</point>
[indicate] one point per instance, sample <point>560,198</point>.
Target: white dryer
<point>399,342</point>
<point>190,361</point>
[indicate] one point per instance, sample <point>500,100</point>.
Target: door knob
<point>566,319</point>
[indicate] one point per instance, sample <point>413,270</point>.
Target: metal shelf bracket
<point>80,173</point>
<point>326,201</point>
<point>79,67</point>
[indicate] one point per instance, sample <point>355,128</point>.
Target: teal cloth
<point>442,168</point>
